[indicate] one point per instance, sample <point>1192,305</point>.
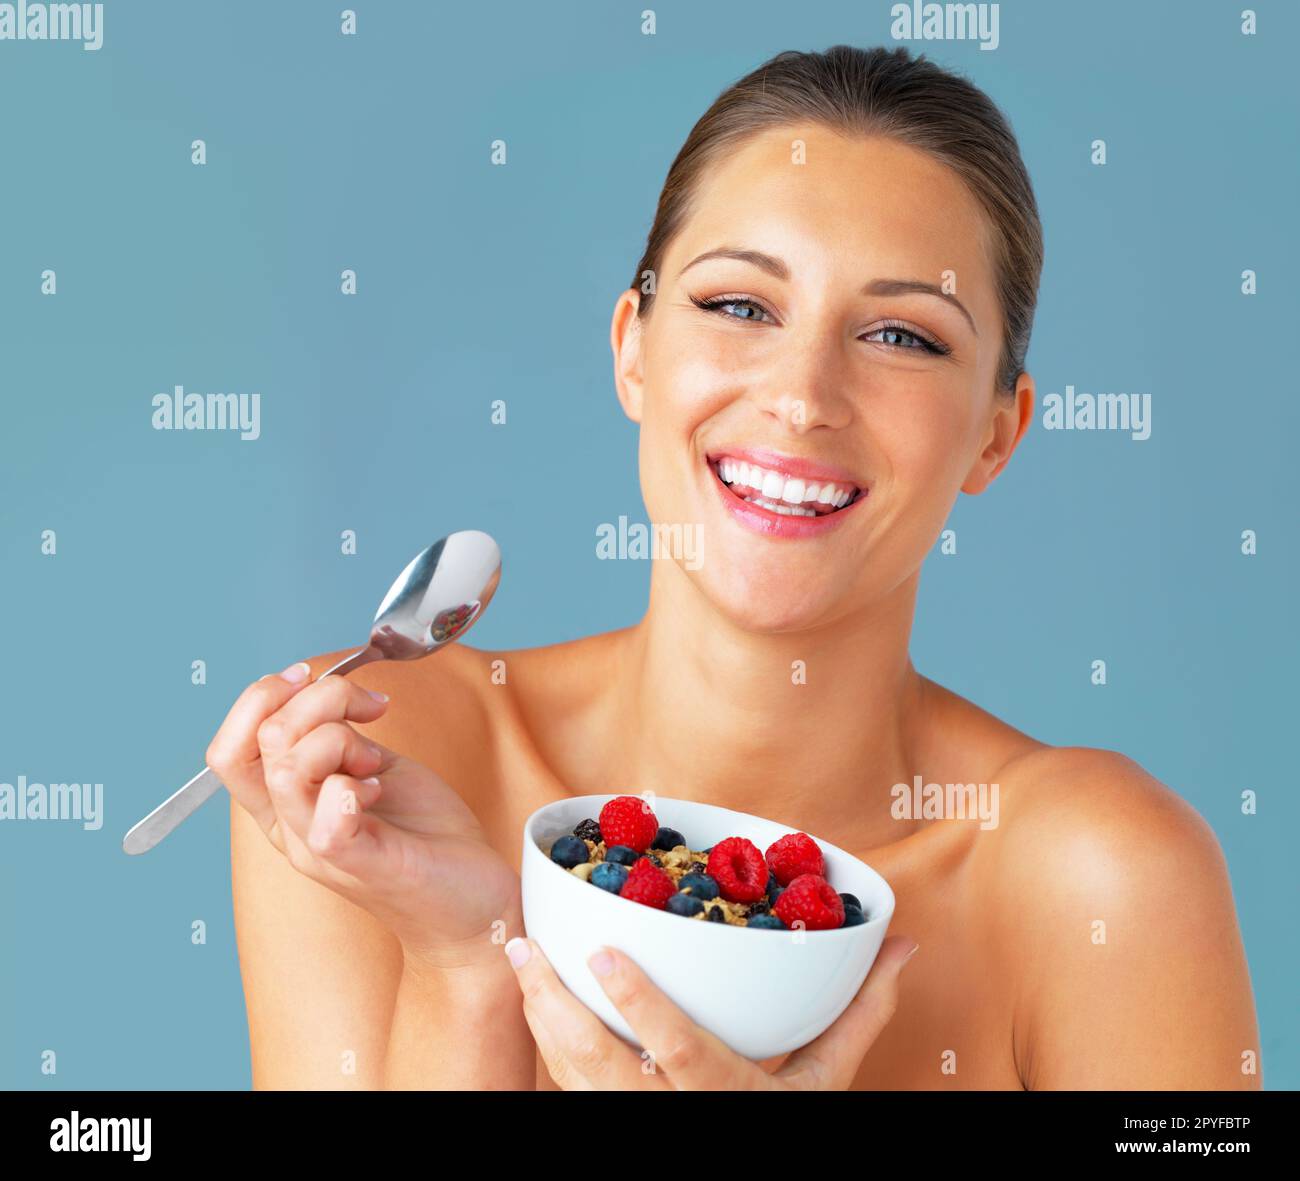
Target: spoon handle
<point>144,835</point>
<point>362,656</point>
<point>175,808</point>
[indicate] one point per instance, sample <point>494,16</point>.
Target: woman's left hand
<point>582,1055</point>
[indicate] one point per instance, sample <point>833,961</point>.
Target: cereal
<point>725,883</point>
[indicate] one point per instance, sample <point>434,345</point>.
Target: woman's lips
<point>801,508</point>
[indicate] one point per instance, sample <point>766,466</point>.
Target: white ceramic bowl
<point>762,992</point>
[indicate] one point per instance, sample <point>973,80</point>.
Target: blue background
<point>479,282</point>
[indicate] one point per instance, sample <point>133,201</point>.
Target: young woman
<point>823,345</point>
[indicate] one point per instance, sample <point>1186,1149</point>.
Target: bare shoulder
<point>468,712</point>
<point>1104,816</point>
<point>1119,929</point>
<point>461,683</point>
<point>439,709</point>
<point>1078,823</point>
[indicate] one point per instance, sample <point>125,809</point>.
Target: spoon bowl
<point>438,597</point>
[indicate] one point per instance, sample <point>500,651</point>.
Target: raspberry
<point>739,869</point>
<point>648,885</point>
<point>811,900</point>
<point>795,855</point>
<point>628,820</point>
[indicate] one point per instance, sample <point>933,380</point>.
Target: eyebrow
<point>776,268</point>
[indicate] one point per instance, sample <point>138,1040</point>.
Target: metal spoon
<point>435,600</point>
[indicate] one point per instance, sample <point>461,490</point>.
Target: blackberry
<point>655,859</point>
<point>587,830</point>
<point>716,914</point>
<point>757,908</point>
<point>697,867</point>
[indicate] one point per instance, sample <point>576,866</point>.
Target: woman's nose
<point>808,389</point>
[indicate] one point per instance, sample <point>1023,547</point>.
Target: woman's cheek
<point>925,468</point>
<point>660,457</point>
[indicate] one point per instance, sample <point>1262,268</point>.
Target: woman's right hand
<point>405,848</point>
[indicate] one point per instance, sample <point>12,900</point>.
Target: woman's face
<point>850,355</point>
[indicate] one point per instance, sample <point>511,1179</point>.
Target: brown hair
<point>878,92</point>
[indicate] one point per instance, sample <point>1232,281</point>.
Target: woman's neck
<point>814,726</point>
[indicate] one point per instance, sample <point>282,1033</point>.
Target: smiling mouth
<point>789,496</point>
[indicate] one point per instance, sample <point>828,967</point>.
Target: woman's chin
<point>770,608</point>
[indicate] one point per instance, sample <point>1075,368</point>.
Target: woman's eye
<point>903,338</point>
<point>718,304</point>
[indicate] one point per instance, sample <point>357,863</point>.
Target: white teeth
<point>774,489</point>
<point>786,510</point>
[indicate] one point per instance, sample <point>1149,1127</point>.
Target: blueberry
<point>667,838</point>
<point>610,876</point>
<point>853,917</point>
<point>587,830</point>
<point>716,914</point>
<point>851,900</point>
<point>774,887</point>
<point>767,922</point>
<point>699,884</point>
<point>686,905</point>
<point>621,855</point>
<point>569,851</point>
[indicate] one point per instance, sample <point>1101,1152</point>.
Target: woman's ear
<point>625,338</point>
<point>1011,418</point>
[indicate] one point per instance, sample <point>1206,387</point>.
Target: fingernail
<point>297,673</point>
<point>602,963</point>
<point>374,750</point>
<point>518,952</point>
<point>373,781</point>
<point>377,695</point>
<point>909,955</point>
